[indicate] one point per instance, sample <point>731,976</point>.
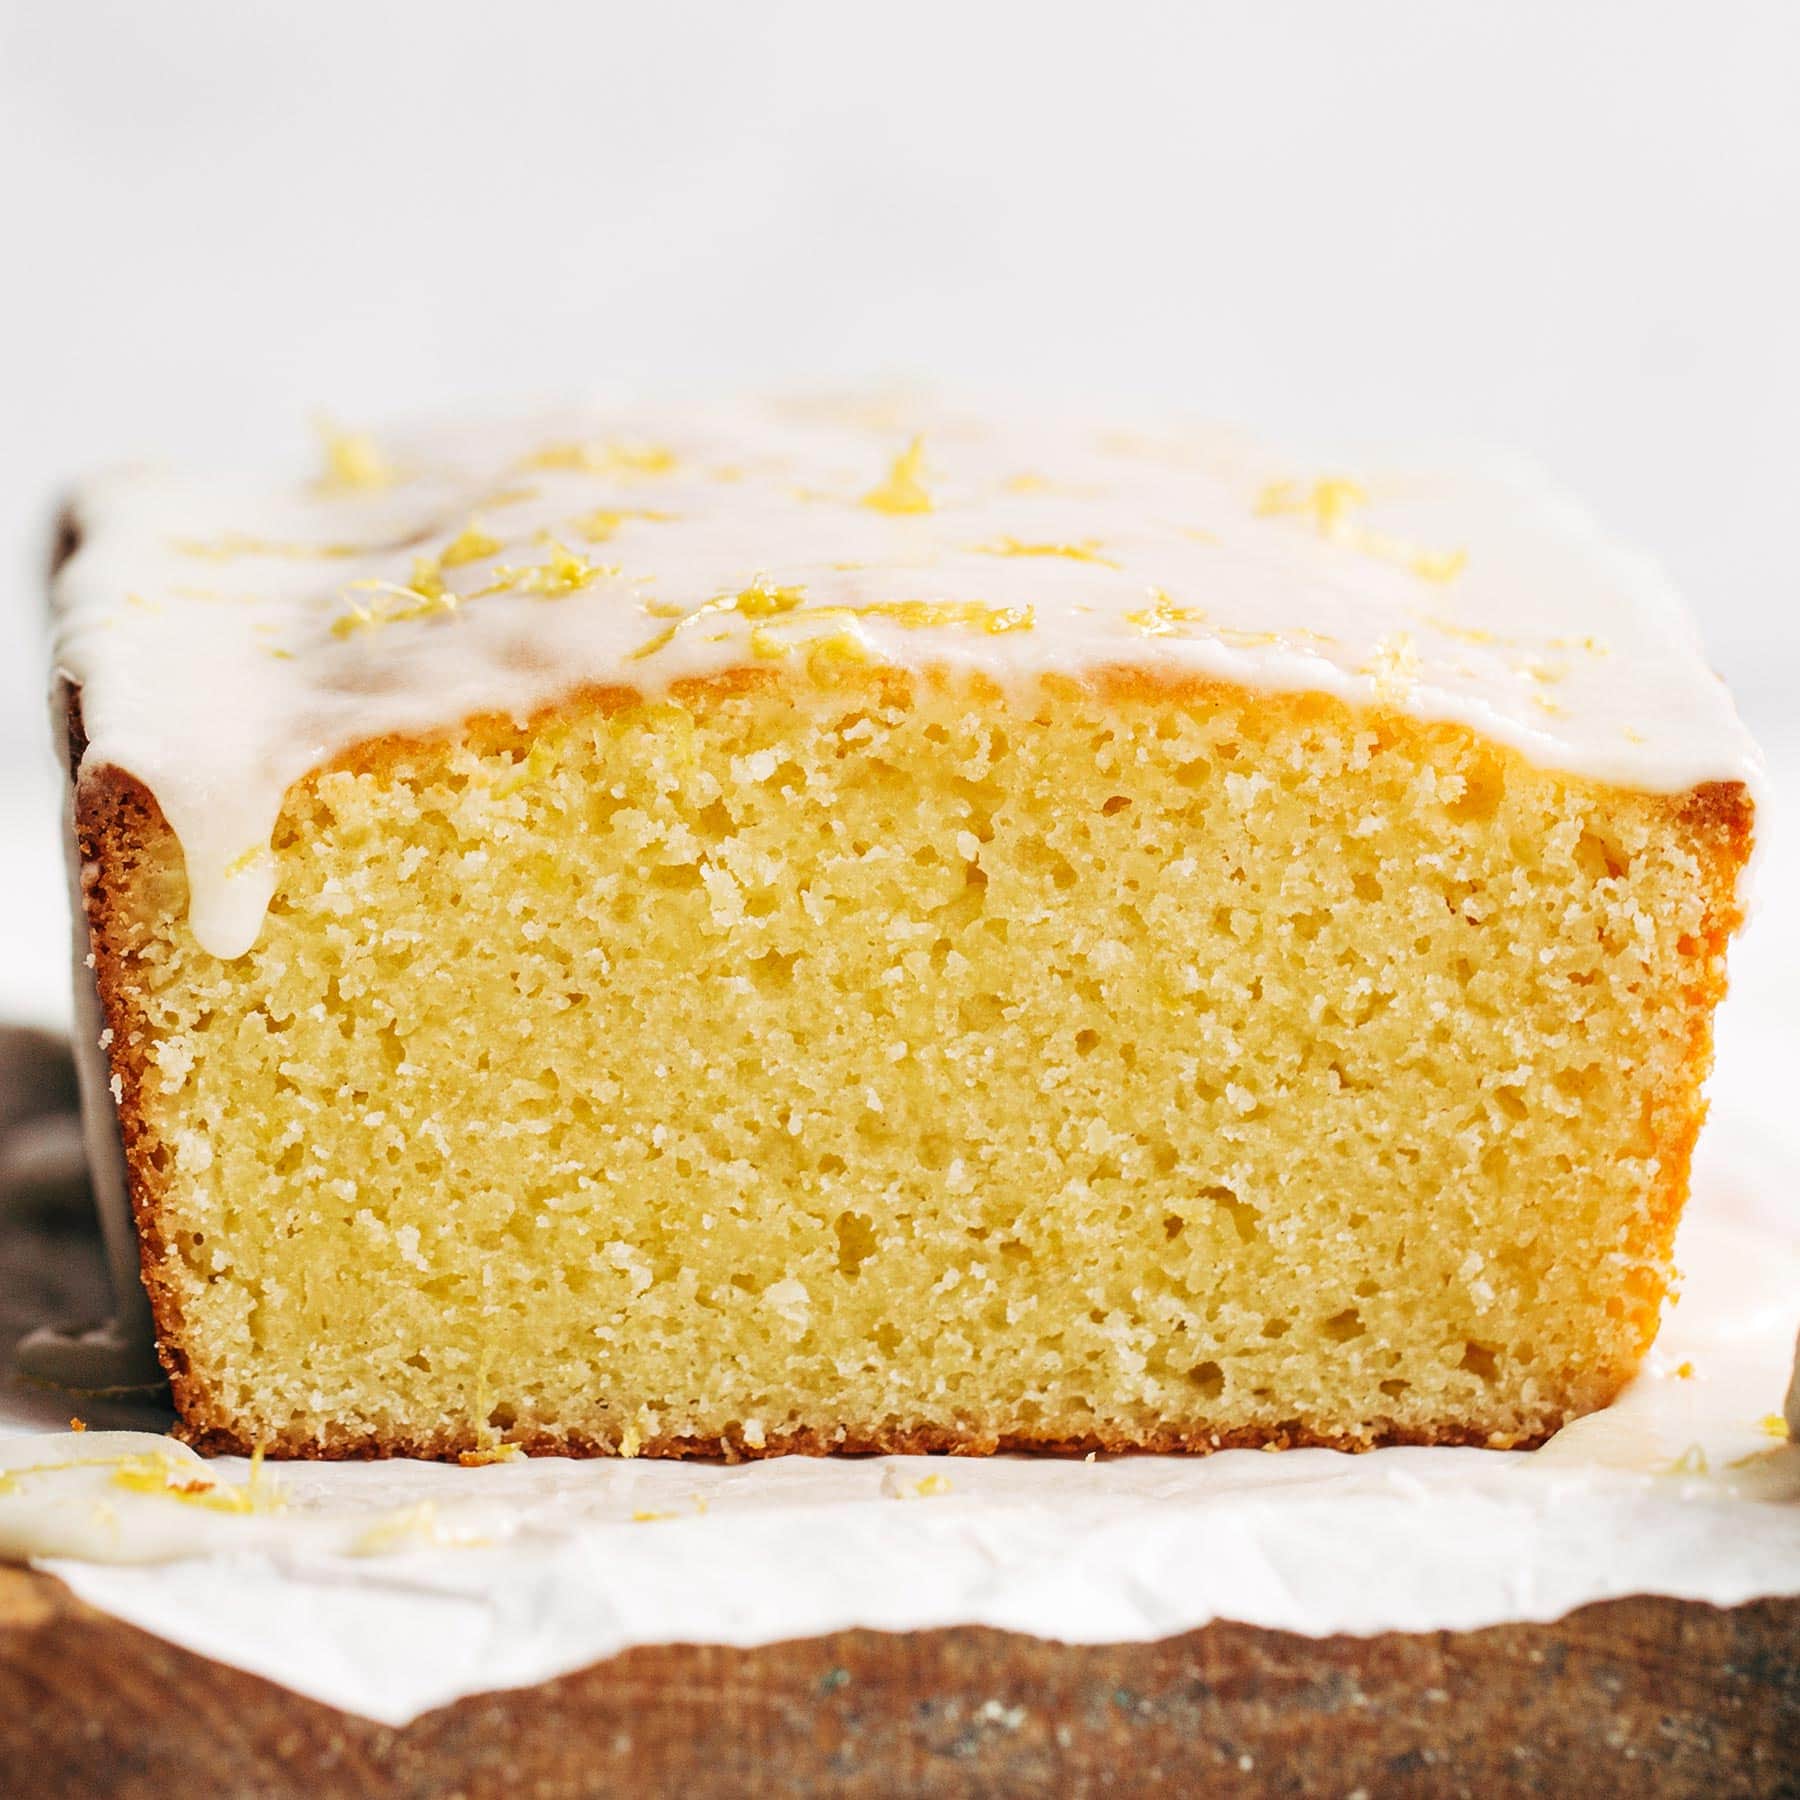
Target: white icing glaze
<point>135,1497</point>
<point>227,639</point>
<point>114,1496</point>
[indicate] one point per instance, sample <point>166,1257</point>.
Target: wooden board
<point>1635,1697</point>
<point>1639,1697</point>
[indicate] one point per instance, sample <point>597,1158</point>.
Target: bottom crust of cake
<point>864,1064</point>
<point>847,1441</point>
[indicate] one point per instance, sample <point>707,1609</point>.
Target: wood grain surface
<point>1633,1697</point>
<point>1640,1697</point>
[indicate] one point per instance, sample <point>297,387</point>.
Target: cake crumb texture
<point>868,1059</point>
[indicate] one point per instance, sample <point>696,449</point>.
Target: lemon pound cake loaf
<point>834,927</point>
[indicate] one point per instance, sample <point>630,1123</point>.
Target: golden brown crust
<point>851,1440</point>
<point>1718,820</point>
<point>118,825</point>
<point>122,833</point>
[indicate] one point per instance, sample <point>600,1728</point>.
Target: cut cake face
<point>822,926</point>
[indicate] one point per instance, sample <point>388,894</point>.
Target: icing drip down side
<point>230,635</point>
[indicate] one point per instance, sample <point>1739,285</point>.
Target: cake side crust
<point>117,818</point>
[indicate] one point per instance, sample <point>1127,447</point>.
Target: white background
<point>1571,229</point>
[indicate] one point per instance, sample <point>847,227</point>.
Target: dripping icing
<point>230,636</point>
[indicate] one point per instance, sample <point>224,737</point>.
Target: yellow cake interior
<point>845,1058</point>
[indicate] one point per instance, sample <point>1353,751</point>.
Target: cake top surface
<point>230,634</point>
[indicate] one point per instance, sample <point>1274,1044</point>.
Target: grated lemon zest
<point>927,1487</point>
<point>603,458</point>
<point>258,1486</point>
<point>1428,565</point>
<point>840,647</point>
<point>252,858</point>
<point>163,1475</point>
<point>352,459</point>
<point>1163,618</point>
<point>422,597</point>
<point>469,545</point>
<point>1465,634</point>
<point>925,615</point>
<point>758,601</point>
<point>903,490</point>
<point>914,615</point>
<point>563,572</point>
<point>1329,503</point>
<point>489,1453</point>
<point>1086,551</point>
<point>599,525</point>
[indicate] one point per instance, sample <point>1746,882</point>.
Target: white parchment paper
<point>513,1573</point>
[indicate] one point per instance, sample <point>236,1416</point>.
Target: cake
<point>846,926</point>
